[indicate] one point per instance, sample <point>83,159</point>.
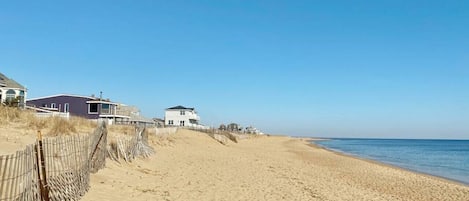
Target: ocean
<point>443,158</point>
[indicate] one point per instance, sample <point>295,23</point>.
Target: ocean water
<point>443,158</point>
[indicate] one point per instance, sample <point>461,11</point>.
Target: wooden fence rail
<point>53,168</point>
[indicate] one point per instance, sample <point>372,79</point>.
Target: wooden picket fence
<point>53,169</point>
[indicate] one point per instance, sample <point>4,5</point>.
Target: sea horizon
<point>376,138</point>
<point>444,158</point>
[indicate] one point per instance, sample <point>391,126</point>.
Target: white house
<point>11,92</point>
<point>181,116</point>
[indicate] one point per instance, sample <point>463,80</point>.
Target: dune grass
<point>52,126</point>
<point>9,114</point>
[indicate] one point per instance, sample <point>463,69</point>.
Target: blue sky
<point>393,69</point>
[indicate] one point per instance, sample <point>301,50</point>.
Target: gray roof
<point>69,95</point>
<point>7,82</point>
<point>180,107</point>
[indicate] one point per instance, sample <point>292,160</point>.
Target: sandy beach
<point>192,166</point>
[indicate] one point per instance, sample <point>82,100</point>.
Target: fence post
<point>97,158</point>
<point>101,128</point>
<point>41,168</point>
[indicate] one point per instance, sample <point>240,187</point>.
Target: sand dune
<point>191,166</point>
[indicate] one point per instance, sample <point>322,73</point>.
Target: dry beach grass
<point>19,128</point>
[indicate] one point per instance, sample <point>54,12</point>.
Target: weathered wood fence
<point>221,136</point>
<point>128,148</point>
<point>53,168</point>
<point>19,178</point>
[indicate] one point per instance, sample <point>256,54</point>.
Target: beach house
<point>89,107</point>
<point>11,92</point>
<point>181,116</point>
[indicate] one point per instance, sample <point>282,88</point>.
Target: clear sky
<point>392,69</point>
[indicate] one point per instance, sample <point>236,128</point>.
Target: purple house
<point>84,106</point>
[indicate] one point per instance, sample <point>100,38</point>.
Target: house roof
<point>180,107</point>
<point>71,95</point>
<point>102,102</point>
<point>7,82</point>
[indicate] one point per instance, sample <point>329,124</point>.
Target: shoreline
<point>190,165</point>
<point>377,162</point>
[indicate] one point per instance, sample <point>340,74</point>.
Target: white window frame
<point>170,122</point>
<point>89,109</point>
<point>10,96</point>
<point>66,107</point>
<point>108,110</point>
<point>53,105</point>
<point>181,123</point>
<point>182,112</point>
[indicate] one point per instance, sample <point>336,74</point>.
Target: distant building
<point>181,116</point>
<point>252,130</point>
<point>134,113</point>
<point>89,107</point>
<point>233,127</point>
<point>11,92</point>
<point>222,127</point>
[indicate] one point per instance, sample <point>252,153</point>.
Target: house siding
<point>176,117</point>
<point>77,105</point>
<point>7,84</point>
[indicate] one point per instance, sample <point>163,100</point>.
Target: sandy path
<point>192,166</point>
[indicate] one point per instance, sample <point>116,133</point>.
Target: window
<point>44,105</point>
<point>66,107</point>
<point>93,108</point>
<point>183,112</point>
<point>170,122</point>
<point>181,123</point>
<point>52,105</point>
<point>11,95</point>
<point>105,109</point>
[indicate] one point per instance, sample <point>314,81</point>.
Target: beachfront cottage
<point>181,116</point>
<point>11,92</point>
<point>89,107</point>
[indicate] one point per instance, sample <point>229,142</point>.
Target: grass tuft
<point>60,126</point>
<point>9,114</point>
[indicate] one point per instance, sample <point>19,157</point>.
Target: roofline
<point>7,87</point>
<point>101,101</point>
<point>51,96</point>
<point>184,108</point>
<point>14,82</point>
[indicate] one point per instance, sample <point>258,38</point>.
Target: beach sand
<point>192,166</point>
